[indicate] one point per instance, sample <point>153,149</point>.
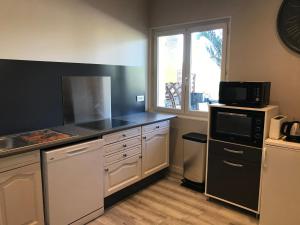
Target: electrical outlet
<point>140,98</point>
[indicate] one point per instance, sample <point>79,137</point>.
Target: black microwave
<point>239,126</point>
<point>245,94</point>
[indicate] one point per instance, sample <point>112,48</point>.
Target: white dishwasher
<point>73,183</point>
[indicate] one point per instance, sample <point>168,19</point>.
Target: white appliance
<point>275,126</point>
<point>280,197</point>
<point>73,183</point>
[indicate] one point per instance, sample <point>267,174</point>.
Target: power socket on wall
<point>140,98</point>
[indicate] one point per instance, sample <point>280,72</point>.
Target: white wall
<point>86,31</point>
<point>255,53</point>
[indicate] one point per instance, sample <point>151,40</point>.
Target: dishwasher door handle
<point>77,151</point>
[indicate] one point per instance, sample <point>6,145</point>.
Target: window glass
<point>169,71</point>
<point>205,68</point>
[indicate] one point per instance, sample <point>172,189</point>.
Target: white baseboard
<point>176,169</point>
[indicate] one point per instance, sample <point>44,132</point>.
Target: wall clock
<point>288,24</point>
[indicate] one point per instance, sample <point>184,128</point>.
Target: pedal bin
<point>194,151</point>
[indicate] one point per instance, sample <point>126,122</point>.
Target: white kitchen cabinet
<point>122,174</point>
<point>155,151</point>
<point>122,160</point>
<point>128,159</point>
<point>280,198</point>
<point>21,201</point>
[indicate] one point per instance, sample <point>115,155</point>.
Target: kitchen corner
<point>149,112</point>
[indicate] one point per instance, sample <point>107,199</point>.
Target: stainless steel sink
<point>6,143</point>
<point>23,139</point>
<point>10,142</point>
<point>37,137</point>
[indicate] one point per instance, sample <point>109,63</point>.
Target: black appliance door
<point>234,181</point>
<point>231,176</point>
<point>241,94</point>
<point>238,126</point>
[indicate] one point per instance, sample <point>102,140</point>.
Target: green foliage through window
<point>215,49</point>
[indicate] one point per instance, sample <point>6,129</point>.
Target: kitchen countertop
<point>81,134</point>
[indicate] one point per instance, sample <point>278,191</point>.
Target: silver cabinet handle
<point>264,158</point>
<point>233,151</point>
<point>106,170</point>
<point>232,164</point>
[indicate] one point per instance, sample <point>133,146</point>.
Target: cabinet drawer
<point>233,181</point>
<point>122,135</point>
<point>155,126</point>
<point>119,146</point>
<point>15,161</point>
<point>124,154</point>
<point>233,151</point>
<point>122,174</point>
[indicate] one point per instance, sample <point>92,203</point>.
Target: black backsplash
<point>31,95</point>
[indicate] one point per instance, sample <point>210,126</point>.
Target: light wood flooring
<point>167,203</point>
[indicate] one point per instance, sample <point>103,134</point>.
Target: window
<point>189,65</point>
<point>169,70</point>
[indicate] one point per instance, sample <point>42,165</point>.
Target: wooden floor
<point>166,202</point>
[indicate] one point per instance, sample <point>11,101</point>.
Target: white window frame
<point>186,30</point>
<point>156,35</point>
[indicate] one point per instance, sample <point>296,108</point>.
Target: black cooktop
<point>104,124</point>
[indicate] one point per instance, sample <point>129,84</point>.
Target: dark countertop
<point>146,118</point>
<point>82,134</point>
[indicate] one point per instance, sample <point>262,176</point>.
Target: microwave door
<point>234,95</point>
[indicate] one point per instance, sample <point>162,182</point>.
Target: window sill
<point>203,116</point>
<point>199,118</point>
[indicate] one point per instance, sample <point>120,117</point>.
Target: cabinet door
<point>21,196</point>
<point>280,199</point>
<point>122,174</point>
<point>155,151</point>
<point>234,181</point>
